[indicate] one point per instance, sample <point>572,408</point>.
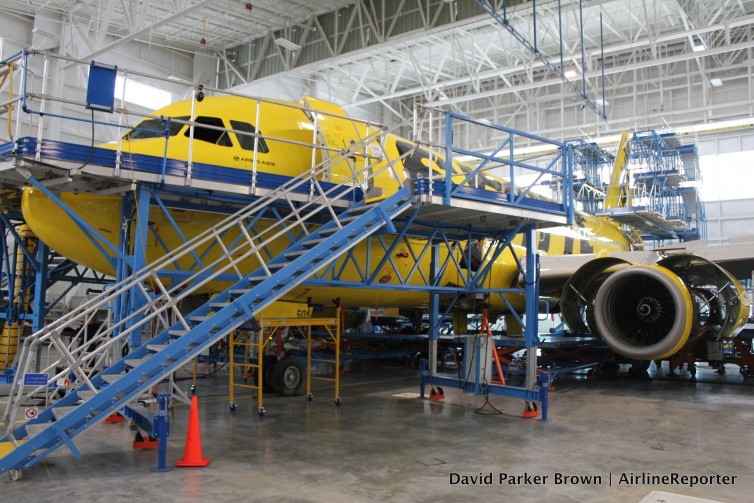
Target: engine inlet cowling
<point>644,312</point>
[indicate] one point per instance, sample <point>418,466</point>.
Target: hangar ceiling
<point>178,24</point>
<point>667,63</point>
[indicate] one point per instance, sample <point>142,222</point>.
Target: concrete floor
<point>382,444</point>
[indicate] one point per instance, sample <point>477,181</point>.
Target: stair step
<point>333,230</point>
<point>111,378</point>
<point>359,210</point>
<point>145,412</point>
<point>253,279</point>
<point>200,318</point>
<point>328,231</point>
<point>218,305</point>
<point>36,428</point>
<point>278,265</point>
<point>177,332</point>
<point>314,242</point>
<point>348,219</point>
<point>296,253</point>
<point>86,394</point>
<point>135,362</point>
<point>238,291</point>
<point>156,347</point>
<point>59,412</point>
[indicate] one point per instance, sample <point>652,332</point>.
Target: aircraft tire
<point>268,366</point>
<point>287,376</point>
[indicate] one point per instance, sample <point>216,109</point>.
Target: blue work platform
<point>319,223</point>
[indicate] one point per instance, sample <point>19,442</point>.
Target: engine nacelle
<point>650,311</point>
<point>644,312</point>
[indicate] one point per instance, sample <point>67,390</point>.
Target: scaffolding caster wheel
<point>232,406</point>
<point>309,397</point>
<point>337,401</point>
<point>15,474</point>
<point>261,411</point>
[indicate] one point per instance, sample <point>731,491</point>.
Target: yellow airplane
<point>668,305</point>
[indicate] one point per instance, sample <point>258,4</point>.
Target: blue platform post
<point>434,313</point>
<point>161,431</point>
<point>531,289</point>
<point>41,281</point>
<point>139,257</point>
<point>423,373</point>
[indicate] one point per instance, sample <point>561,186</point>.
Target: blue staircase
<point>116,386</point>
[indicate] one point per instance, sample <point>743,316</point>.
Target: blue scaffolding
<point>591,174</point>
<point>665,204</point>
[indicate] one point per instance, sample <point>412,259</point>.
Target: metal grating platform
<point>73,167</point>
<point>649,223</point>
<point>482,208</point>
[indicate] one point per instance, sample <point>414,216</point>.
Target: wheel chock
<point>437,394</point>
<point>115,417</point>
<point>144,443</point>
<point>530,410</point>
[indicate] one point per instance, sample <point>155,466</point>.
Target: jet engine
<point>651,311</point>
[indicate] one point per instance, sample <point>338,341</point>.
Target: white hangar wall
<point>53,35</point>
<point>728,190</point>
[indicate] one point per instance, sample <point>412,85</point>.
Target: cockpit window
<point>210,135</point>
<point>247,141</point>
<point>154,128</point>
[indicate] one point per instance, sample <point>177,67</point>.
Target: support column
<point>531,288</point>
<point>434,311</point>
<point>136,300</point>
<point>41,281</point>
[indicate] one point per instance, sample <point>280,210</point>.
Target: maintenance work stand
<point>309,230</point>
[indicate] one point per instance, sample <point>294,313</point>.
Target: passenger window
<point>210,134</point>
<point>154,128</point>
<point>246,140</point>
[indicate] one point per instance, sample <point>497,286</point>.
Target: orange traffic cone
<point>192,454</point>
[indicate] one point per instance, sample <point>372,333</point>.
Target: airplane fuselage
<point>642,310</point>
<point>224,133</point>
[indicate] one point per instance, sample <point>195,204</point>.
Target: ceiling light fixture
<point>697,44</point>
<point>284,42</point>
<point>716,82</point>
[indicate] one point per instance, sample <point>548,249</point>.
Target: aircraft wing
<point>555,270</point>
<point>736,257</point>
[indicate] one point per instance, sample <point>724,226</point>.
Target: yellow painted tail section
<point>616,199</point>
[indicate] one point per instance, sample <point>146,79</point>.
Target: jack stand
<point>161,430</point>
<point>530,409</point>
<point>115,417</point>
<point>141,443</point>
